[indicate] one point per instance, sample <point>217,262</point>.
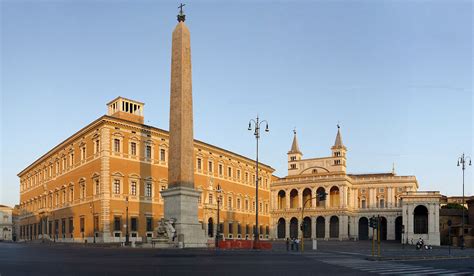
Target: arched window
<point>420,220</point>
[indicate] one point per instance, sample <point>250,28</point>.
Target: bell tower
<point>294,156</point>
<point>339,152</point>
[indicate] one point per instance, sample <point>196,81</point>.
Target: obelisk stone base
<point>181,204</point>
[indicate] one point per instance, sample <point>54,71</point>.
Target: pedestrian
<point>287,244</point>
<point>297,243</point>
<point>292,244</point>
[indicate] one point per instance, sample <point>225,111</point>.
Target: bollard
<point>315,244</point>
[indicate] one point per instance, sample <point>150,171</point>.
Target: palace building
<point>352,199</point>
<point>115,168</point>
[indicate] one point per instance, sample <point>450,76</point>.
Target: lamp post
<point>91,206</point>
<point>126,224</point>
<point>218,191</point>
<point>256,125</point>
<point>462,162</point>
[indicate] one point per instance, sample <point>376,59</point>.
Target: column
<point>313,195</point>
<point>287,198</point>
<point>431,221</point>
<point>342,194</point>
<point>372,202</point>
<point>389,199</point>
<point>355,228</point>
<point>326,227</point>
<point>287,228</point>
<point>313,227</point>
<point>343,224</point>
<point>328,198</point>
<point>300,198</point>
<point>390,228</point>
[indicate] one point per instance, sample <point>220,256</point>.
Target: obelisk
<point>181,199</point>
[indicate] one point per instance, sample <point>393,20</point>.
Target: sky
<point>396,75</point>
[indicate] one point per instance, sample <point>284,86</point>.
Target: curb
<point>418,258</point>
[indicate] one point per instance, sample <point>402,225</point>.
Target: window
<point>64,195</point>
<point>71,159</point>
<point>71,225</point>
<point>133,188</point>
<point>71,194</point>
<point>210,198</point>
<point>148,151</point>
<point>363,204</point>
<point>116,186</point>
<point>266,208</point>
<point>83,153</point>
<point>293,166</point>
<point>220,169</point>
<point>246,177</point>
<point>97,146</point>
<point>260,206</point>
<point>117,145</point>
<point>199,164</point>
<point>238,174</point>
<point>238,203</point>
<point>83,190</point>
<point>162,155</point>
<point>81,224</point>
<point>229,203</point>
<point>117,223</point>
<point>229,172</point>
<point>133,224</point>
<point>337,162</point>
<point>246,204</point>
<point>381,190</point>
<point>133,148</point>
<point>382,203</point>
<point>149,224</point>
<point>96,223</point>
<point>293,158</point>
<point>209,166</point>
<point>148,189</point>
<point>253,205</point>
<point>163,187</point>
<point>97,187</point>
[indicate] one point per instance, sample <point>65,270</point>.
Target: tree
<point>453,206</point>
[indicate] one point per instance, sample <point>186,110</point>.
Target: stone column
<point>287,198</point>
<point>313,227</point>
<point>287,228</point>
<point>300,198</point>
<point>389,199</point>
<point>341,196</point>
<point>343,224</point>
<point>328,199</point>
<point>313,201</point>
<point>390,228</point>
<point>326,227</point>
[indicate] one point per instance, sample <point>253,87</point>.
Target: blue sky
<point>396,74</point>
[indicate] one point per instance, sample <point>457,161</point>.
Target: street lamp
<point>91,206</point>
<point>256,125</point>
<point>462,162</point>
<point>218,191</point>
<point>126,224</point>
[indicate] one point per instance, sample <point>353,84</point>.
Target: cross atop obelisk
<point>181,15</point>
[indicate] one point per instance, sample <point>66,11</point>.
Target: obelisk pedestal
<point>181,199</point>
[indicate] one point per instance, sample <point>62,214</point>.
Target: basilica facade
<point>352,199</point>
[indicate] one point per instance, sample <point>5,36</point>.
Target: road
<point>60,259</point>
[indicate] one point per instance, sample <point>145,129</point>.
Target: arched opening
<point>294,198</point>
<point>320,227</point>
<point>281,199</point>
<point>320,203</point>
<point>334,196</point>
<point>210,227</point>
<point>383,229</point>
<point>294,228</point>
<point>334,227</point>
<point>307,198</point>
<point>363,229</point>
<point>281,228</point>
<point>307,227</point>
<point>420,220</point>
<point>398,228</point>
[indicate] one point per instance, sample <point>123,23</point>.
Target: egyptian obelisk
<point>181,199</point>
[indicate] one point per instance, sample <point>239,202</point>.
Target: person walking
<point>292,244</point>
<point>297,244</point>
<point>287,244</point>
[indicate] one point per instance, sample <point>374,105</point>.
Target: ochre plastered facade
<point>83,183</point>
